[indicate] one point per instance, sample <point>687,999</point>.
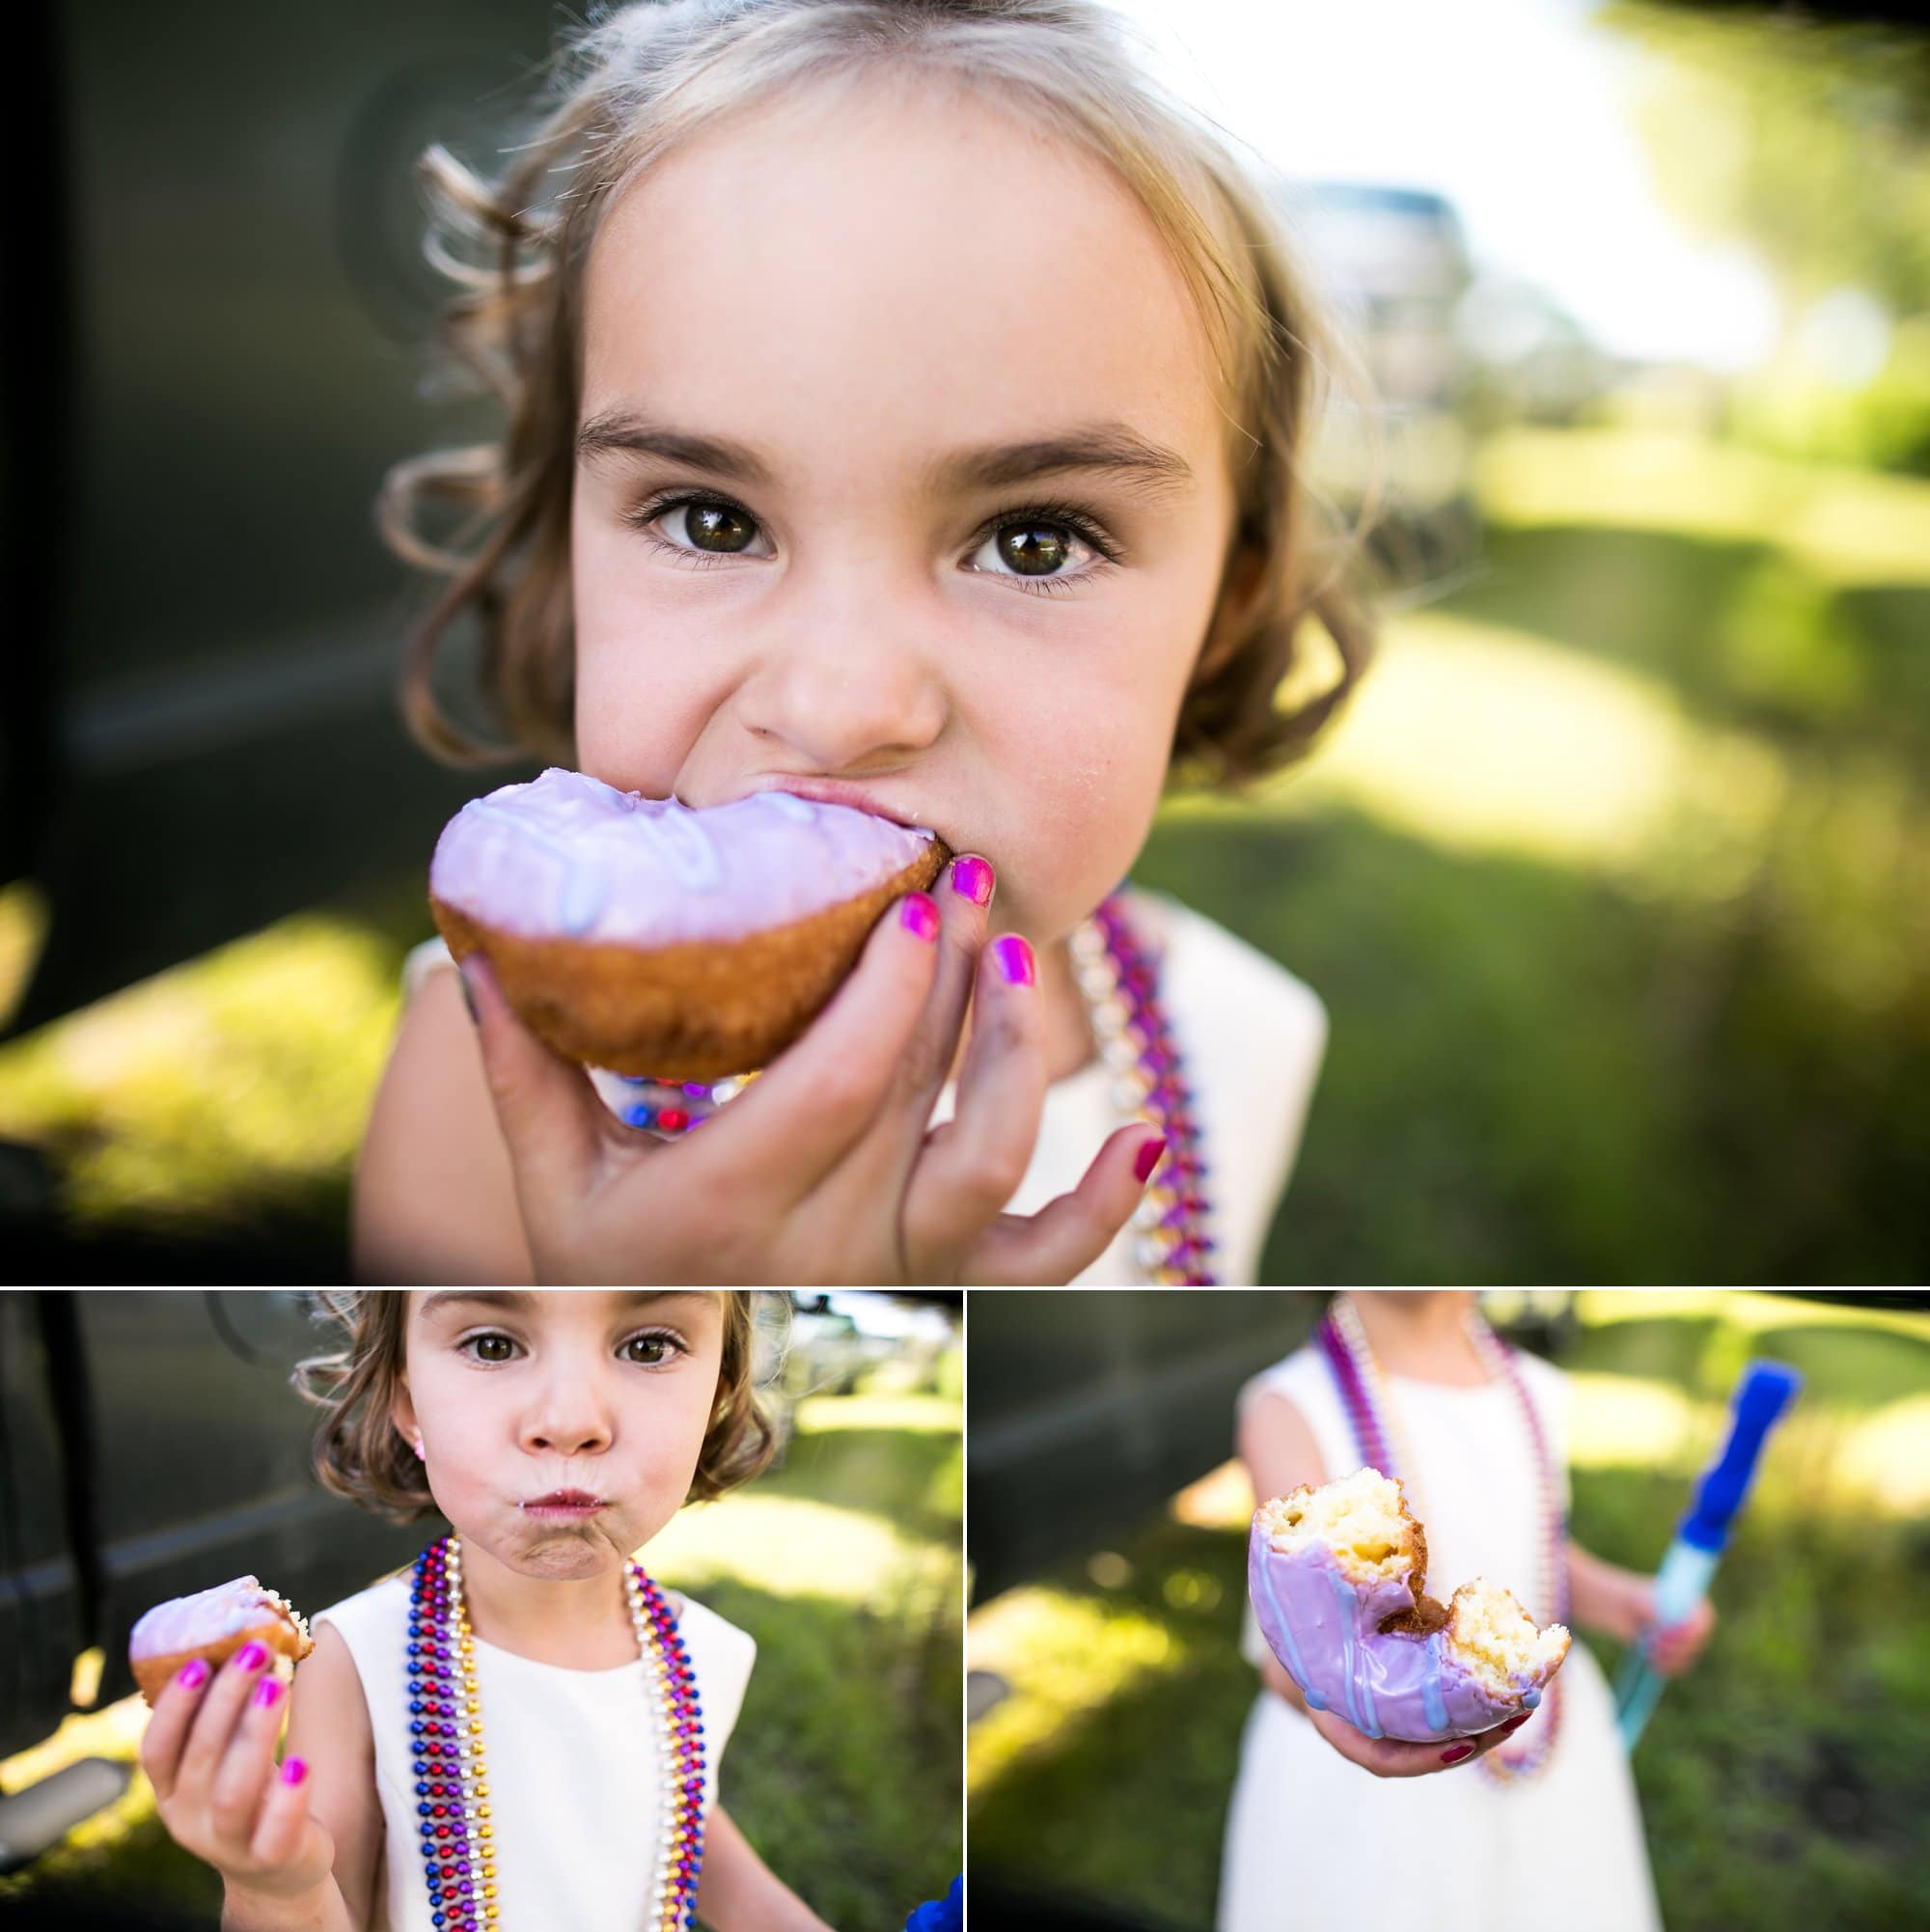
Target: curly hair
<point>360,1454</point>
<point>624,89</point>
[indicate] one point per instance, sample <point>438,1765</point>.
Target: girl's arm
<point>739,1892</point>
<point>436,1196</point>
<point>1621,1604</point>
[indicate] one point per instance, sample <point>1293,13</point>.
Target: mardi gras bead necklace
<point>1118,976</point>
<point>1381,1440</point>
<point>451,1774</point>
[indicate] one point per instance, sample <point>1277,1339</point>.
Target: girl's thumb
<point>545,1105</point>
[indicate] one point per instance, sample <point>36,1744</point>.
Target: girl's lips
<point>564,1502</point>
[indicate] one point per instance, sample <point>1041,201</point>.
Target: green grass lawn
<point>1783,1781</point>
<point>844,1770</point>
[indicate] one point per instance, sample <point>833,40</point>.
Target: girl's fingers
<point>802,1115</point>
<point>166,1735</point>
<point>284,1821</point>
<point>221,1706</point>
<point>967,1171</point>
<point>235,1798</point>
<point>1069,1235</point>
<point>550,1113</point>
<point>963,894</point>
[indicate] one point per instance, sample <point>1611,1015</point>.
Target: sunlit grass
<point>1063,1656</point>
<point>243,1075</point>
<point>1848,526</point>
<point>930,1415</point>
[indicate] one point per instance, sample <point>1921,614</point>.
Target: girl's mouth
<point>564,1506</point>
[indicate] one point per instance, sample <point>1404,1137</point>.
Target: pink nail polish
<point>193,1674</point>
<point>294,1771</point>
<point>972,878</point>
<point>252,1657</point>
<point>1011,954</point>
<point>267,1692</point>
<point>1455,1755</point>
<point>920,912</point>
<point>1147,1159</point>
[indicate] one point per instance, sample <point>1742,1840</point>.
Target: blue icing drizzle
<point>1295,1669</point>
<point>1431,1701</point>
<point>1531,1698</point>
<point>687,849</point>
<point>1343,1595</point>
<point>583,895</point>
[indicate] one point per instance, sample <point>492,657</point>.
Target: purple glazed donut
<point>1337,1576</point>
<point>648,937</point>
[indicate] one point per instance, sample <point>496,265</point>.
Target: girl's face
<point>517,1397</point>
<point>876,311</point>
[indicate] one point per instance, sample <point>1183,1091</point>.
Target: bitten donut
<point>643,936</point>
<point>213,1624</point>
<point>1338,1575</point>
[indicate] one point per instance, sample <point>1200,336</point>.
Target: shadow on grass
<point>1535,1076</point>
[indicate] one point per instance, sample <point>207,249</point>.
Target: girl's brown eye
<point>654,1348</point>
<point>488,1345</point>
<point>716,526</point>
<point>1032,549</point>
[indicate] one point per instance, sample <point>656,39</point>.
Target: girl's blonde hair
<point>360,1454</point>
<point>640,79</point>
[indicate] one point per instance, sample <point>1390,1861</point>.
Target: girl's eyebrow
<point>1150,470</point>
<point>514,1301</point>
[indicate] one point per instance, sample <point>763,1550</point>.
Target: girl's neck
<point>577,1624</point>
<point>1421,1335</point>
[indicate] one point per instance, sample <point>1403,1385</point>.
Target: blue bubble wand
<point>1766,1389</point>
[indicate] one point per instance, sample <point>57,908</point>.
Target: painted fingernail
<point>253,1657</point>
<point>972,878</point>
<point>1147,1159</point>
<point>193,1674</point>
<point>920,912</point>
<point>1455,1755</point>
<point>1011,954</point>
<point>468,997</point>
<point>1515,1724</point>
<point>294,1771</point>
<point>267,1691</point>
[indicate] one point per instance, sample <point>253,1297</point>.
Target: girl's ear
<point>1233,616</point>
<point>402,1413</point>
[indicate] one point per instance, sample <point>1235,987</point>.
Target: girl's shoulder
<point>712,1637</point>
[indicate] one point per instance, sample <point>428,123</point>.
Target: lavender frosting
<point>569,856</point>
<point>187,1622</point>
<point>1326,1633</point>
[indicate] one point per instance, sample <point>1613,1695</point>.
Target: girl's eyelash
<point>1070,515</point>
<point>466,1346</point>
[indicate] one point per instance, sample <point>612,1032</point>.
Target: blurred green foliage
<point>1783,1781</point>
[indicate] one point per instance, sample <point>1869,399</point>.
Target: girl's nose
<point>849,683</point>
<point>570,1420</point>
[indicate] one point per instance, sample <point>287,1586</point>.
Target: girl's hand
<point>209,1753</point>
<point>825,1169</point>
<point>1396,1757</point>
<point>1386,1757</point>
<point>1673,1650</point>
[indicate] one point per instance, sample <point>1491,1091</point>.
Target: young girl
<point>1527,1831</point>
<point>522,1731</point>
<point>905,406</point>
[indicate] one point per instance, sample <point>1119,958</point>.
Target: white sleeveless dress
<point>573,1773</point>
<point>1251,1036</point>
<point>1315,1844</point>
